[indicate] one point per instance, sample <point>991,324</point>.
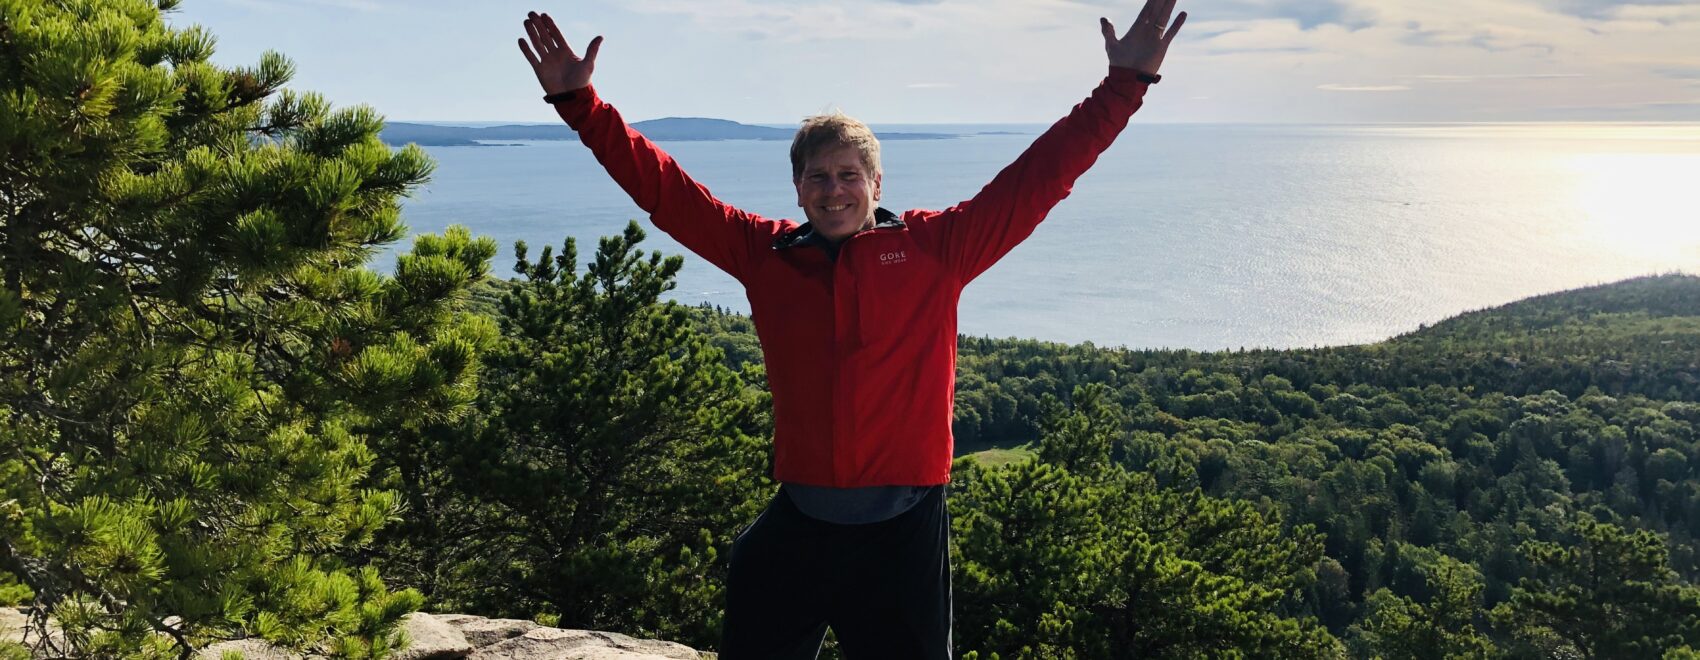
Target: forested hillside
<point>217,423</point>
<point>1516,480</point>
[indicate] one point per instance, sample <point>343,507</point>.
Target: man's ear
<point>877,177</point>
<point>798,184</point>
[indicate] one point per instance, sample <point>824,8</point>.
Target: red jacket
<point>861,351</point>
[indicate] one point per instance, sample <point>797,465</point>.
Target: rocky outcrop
<point>483,632</point>
<point>12,624</point>
<point>551,643</point>
<point>431,638</point>
<point>453,636</point>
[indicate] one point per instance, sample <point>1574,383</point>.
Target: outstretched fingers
<point>534,30</point>
<point>1147,13</point>
<point>529,56</point>
<point>1175,29</point>
<point>554,34</point>
<point>1147,40</point>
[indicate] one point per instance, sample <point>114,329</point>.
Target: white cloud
<point>1256,60</point>
<point>1008,60</point>
<point>794,22</point>
<point>1637,105</point>
<point>1455,78</point>
<point>1332,87</point>
<point>1520,55</point>
<point>367,6</point>
<point>1657,14</point>
<point>357,5</point>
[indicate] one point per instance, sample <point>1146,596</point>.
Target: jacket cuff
<point>576,110</point>
<point>1126,82</point>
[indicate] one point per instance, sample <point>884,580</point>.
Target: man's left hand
<point>1144,45</point>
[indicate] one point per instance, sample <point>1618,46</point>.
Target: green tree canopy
<point>195,358</point>
<point>1440,628</point>
<point>1607,594</point>
<point>614,458</point>
<point>1069,555</point>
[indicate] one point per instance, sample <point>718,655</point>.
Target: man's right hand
<point>558,68</point>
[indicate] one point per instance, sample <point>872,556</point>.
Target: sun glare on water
<point>1642,204</point>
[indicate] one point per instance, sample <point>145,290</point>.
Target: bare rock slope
<point>453,636</point>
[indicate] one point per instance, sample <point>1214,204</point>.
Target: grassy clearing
<point>1000,456</point>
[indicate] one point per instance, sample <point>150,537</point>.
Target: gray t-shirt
<point>854,506</point>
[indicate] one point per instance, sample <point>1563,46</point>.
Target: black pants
<point>883,587</point>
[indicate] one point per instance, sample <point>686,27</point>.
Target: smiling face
<point>837,192</point>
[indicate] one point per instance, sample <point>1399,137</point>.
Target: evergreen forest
<point>217,422</point>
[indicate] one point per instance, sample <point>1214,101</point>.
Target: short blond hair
<point>822,132</point>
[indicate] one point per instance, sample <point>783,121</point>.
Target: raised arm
<point>558,68</point>
<point>981,230</point>
<point>677,204</point>
<point>1143,47</point>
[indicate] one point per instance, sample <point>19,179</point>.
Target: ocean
<point>1189,235</point>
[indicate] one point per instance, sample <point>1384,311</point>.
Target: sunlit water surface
<point>1195,236</point>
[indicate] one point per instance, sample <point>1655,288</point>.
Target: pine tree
<point>195,361</point>
<point>1443,628</point>
<point>1609,594</point>
<point>1069,555</point>
<point>614,459</point>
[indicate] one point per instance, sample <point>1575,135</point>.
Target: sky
<point>991,61</point>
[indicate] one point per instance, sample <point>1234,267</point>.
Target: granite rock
<point>12,624</point>
<point>429,638</point>
<point>482,632</point>
<point>558,644</point>
<point>455,636</point>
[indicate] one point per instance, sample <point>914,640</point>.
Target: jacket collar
<point>804,234</point>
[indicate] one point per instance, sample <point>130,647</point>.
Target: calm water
<point>1195,236</point>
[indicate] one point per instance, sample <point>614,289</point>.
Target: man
<point>856,311</point>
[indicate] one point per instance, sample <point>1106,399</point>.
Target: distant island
<point>669,129</point>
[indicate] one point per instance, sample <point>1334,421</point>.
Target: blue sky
<point>959,61</point>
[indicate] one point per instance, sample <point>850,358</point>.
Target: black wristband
<point>1147,78</point>
<point>558,97</point>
